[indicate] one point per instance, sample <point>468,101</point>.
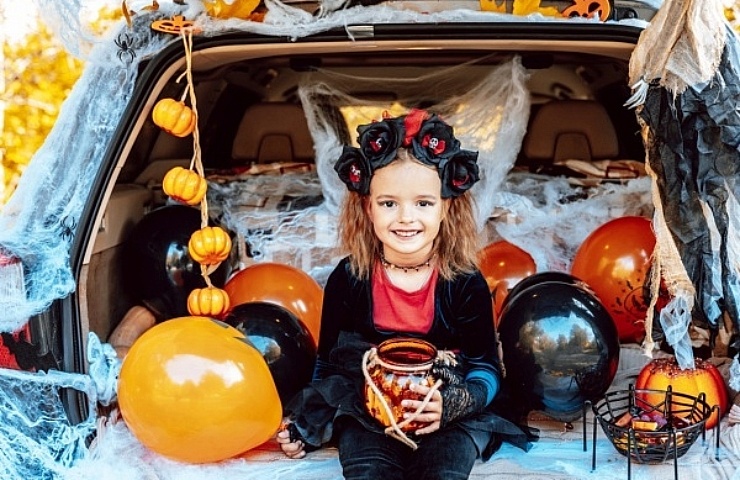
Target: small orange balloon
<point>194,390</point>
<point>503,264</point>
<point>283,285</point>
<point>498,295</point>
<point>614,261</point>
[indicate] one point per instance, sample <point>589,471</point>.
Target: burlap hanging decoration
<point>682,46</point>
<point>681,49</point>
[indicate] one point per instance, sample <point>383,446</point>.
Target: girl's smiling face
<point>406,209</point>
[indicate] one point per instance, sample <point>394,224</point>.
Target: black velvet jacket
<point>463,323</point>
<point>463,318</point>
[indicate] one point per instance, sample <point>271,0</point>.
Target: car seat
<point>273,132</point>
<point>576,138</point>
<point>570,129</point>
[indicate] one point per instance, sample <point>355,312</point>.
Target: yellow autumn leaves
<point>233,9</point>
<point>38,75</point>
<point>519,7</point>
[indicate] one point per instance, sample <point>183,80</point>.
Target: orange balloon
<point>194,390</point>
<point>498,296</point>
<point>614,261</point>
<point>283,285</point>
<point>503,264</point>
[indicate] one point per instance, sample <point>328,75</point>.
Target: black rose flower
<point>379,141</point>
<point>354,170</point>
<point>459,173</point>
<point>435,141</point>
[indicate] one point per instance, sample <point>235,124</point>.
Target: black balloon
<point>157,268</point>
<point>560,348</point>
<point>284,342</point>
<point>540,277</point>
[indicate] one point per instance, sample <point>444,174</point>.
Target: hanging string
<point>196,162</point>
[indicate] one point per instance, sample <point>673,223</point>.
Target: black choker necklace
<point>405,268</point>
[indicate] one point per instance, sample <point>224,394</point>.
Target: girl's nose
<point>406,213</point>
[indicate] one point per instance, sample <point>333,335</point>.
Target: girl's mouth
<point>406,233</point>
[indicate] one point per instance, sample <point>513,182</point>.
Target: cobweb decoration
<point>549,217</point>
<point>37,440</point>
<point>58,179</point>
<point>488,115</point>
<point>280,217</point>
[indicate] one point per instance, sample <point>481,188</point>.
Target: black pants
<point>448,454</point>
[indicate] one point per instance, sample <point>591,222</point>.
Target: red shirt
<point>401,311</point>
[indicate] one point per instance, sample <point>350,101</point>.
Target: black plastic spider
<point>126,53</point>
<point>69,226</point>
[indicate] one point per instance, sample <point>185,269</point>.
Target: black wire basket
<point>652,426</point>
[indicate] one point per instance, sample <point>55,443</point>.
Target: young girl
<point>408,225</point>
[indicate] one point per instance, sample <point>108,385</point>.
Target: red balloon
<point>614,261</point>
<point>504,265</point>
<point>283,285</point>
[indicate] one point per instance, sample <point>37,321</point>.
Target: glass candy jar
<point>390,370</point>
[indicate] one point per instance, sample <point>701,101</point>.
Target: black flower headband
<point>429,138</point>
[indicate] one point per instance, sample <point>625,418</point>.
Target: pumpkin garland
<point>208,246</point>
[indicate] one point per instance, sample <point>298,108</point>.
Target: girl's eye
<point>387,203</point>
<point>425,203</point>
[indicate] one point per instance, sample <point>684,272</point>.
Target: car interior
<point>251,120</point>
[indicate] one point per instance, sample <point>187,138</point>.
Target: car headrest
<point>273,132</point>
<point>571,129</point>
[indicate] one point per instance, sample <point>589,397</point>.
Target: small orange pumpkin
<point>659,373</point>
<point>184,186</point>
<point>209,245</point>
<point>588,8</point>
<point>208,302</point>
<point>174,117</point>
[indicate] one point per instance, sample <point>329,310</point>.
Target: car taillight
<point>12,286</point>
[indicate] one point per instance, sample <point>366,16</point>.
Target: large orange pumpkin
<point>704,378</point>
<point>184,186</point>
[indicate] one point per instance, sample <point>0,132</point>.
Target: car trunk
<point>235,73</point>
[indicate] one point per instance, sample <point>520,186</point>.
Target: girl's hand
<point>432,414</point>
<point>291,448</point>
